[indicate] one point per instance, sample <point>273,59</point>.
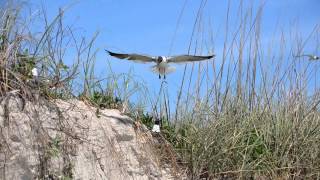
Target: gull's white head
<point>162,59</point>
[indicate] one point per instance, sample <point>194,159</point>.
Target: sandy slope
<point>66,139</point>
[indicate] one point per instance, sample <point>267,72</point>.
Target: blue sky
<point>148,26</point>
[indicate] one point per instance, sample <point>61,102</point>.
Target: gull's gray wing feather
<point>306,55</point>
<point>133,57</point>
<point>188,58</point>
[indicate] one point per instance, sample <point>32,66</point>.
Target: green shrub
<point>105,100</point>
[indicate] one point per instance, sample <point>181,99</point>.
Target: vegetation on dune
<point>255,116</point>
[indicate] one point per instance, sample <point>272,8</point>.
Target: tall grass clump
<point>24,49</point>
<point>256,115</point>
<point>64,59</point>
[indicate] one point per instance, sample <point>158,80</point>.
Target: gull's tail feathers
<point>162,71</point>
<point>170,69</point>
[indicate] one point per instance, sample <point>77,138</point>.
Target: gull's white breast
<point>164,63</point>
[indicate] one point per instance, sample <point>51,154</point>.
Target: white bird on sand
<point>161,67</point>
<point>156,126</point>
<point>311,57</point>
<point>34,72</point>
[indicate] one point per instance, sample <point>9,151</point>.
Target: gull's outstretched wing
<point>133,57</point>
<point>304,55</point>
<point>188,58</point>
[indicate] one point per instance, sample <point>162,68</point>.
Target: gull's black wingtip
<point>109,52</point>
<point>211,56</point>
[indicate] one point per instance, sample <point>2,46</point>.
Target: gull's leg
<point>160,69</point>
<point>164,76</point>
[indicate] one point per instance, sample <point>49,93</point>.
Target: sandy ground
<point>61,140</point>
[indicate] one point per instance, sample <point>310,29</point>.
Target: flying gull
<point>162,68</point>
<point>311,57</point>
